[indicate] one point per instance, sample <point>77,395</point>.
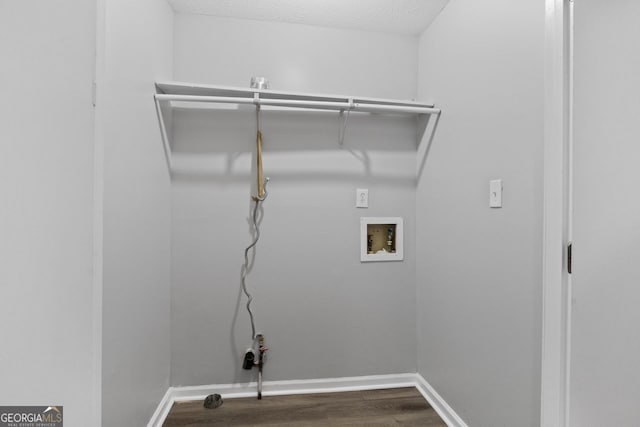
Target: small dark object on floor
<point>212,401</point>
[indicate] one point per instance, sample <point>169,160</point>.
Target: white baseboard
<point>324,385</point>
<point>436,401</point>
<point>162,411</point>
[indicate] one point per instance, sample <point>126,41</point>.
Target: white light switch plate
<point>362,198</point>
<point>495,193</point>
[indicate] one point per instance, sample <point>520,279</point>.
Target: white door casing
<point>555,327</point>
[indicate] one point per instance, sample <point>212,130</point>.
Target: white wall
<point>605,349</point>
<point>46,208</point>
<point>479,269</point>
<point>294,57</point>
<point>323,313</point>
<point>136,50</point>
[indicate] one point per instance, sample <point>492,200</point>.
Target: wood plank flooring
<point>389,407</point>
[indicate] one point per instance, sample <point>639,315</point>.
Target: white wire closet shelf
<point>169,92</point>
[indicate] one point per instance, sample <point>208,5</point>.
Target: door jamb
<point>555,280</point>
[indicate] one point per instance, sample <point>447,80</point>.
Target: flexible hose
<point>245,267</point>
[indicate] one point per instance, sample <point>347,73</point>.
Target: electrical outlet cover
<point>362,198</point>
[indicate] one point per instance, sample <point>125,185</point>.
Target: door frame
<point>555,357</point>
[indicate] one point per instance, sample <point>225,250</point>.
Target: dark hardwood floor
<point>390,407</point>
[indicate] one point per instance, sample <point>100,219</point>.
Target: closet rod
<point>323,105</point>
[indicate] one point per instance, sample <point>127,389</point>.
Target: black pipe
<point>260,374</point>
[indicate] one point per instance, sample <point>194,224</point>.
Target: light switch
<point>495,193</point>
<point>362,198</point>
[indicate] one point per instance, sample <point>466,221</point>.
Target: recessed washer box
<point>381,239</point>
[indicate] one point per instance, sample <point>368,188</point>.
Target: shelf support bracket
<point>344,119</point>
<point>166,144</point>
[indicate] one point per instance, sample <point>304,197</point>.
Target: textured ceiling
<point>395,16</point>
